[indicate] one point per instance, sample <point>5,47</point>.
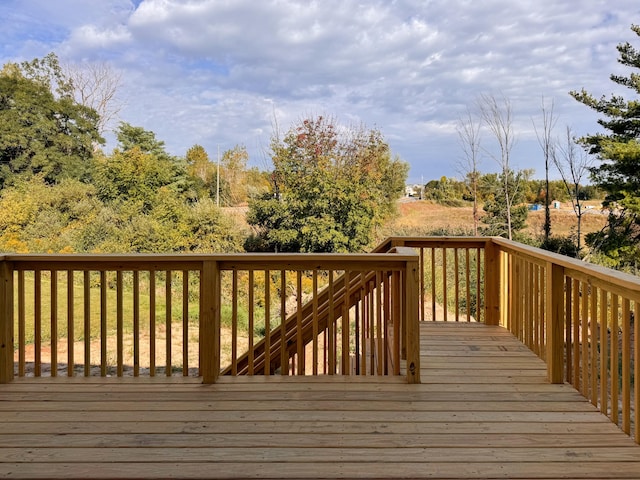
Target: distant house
<point>413,190</point>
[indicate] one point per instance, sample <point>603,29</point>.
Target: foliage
<point>619,154</point>
<point>562,245</point>
<point>445,191</point>
<point>503,219</point>
<point>42,128</point>
<point>331,186</point>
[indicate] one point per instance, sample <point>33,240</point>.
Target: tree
<point>498,117</point>
<point>544,134</point>
<point>502,219</point>
<point>42,128</point>
<point>96,85</point>
<point>469,137</point>
<point>233,175</point>
<point>331,186</point>
<point>618,173</point>
<point>202,171</point>
<point>573,165</point>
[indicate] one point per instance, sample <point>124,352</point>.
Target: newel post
<point>493,283</point>
<point>6,322</point>
<point>411,315</point>
<point>555,322</point>
<point>210,322</point>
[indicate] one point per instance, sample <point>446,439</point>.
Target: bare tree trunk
<point>498,117</point>
<point>573,164</point>
<point>469,137</point>
<point>547,144</point>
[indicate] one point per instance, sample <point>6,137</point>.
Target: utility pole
<point>218,180</point>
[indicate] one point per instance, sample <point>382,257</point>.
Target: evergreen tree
<point>618,173</point>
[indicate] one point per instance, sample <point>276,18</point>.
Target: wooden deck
<point>484,410</point>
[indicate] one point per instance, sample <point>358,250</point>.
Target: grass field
<point>420,217</point>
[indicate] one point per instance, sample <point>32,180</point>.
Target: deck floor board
<point>483,411</point>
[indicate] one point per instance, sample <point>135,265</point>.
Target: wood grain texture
<point>477,414</point>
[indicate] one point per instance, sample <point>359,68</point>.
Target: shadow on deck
<point>484,410</point>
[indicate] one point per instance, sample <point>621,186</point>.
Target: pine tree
<point>618,173</point>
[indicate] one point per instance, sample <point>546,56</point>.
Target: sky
<point>221,73</point>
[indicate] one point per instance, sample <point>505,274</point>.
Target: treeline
<point>61,193</point>
<point>454,192</point>
<point>330,186</point>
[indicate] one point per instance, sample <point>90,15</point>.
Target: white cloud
<point>198,71</point>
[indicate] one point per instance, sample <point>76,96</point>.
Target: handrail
<point>579,318</point>
<point>96,285</point>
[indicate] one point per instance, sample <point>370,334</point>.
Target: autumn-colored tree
<point>331,186</point>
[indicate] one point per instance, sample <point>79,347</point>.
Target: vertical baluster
<point>70,323</point>
<point>284,358</point>
<point>568,302</point>
<point>234,322</point>
<point>345,370</point>
<point>433,284</point>
<point>527,293</point>
<point>103,323</point>
<point>379,323</point>
<point>575,309</point>
<point>422,285</point>
<point>152,323</point>
<point>185,323</point>
<point>267,323</point>
<point>315,321</point>
<point>584,338</point>
<point>444,285</point>
<point>479,294</point>
<point>626,366</point>
<point>542,311</point>
<point>636,368</point>
<point>87,322</point>
<point>456,266</point>
<point>536,318</point>
<point>397,315</point>
<point>21,325</point>
<point>54,323</point>
<point>331,334</point>
<point>168,325</point>
<point>373,290</point>
<point>615,350</point>
<point>386,309</point>
<point>604,352</point>
<point>119,325</point>
<point>593,343</point>
<point>136,323</point>
<point>37,312</point>
<point>362,366</point>
<point>299,344</point>
<point>467,282</point>
<point>251,325</point>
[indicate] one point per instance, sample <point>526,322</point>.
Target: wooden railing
<point>320,314</point>
<point>191,315</point>
<point>579,318</point>
<point>453,277</point>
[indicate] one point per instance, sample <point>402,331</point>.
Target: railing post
<point>210,322</point>
<point>6,322</point>
<point>555,322</point>
<point>493,283</point>
<point>411,315</point>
